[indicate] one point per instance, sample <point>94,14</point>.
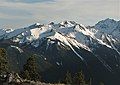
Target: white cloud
<point>83,11</point>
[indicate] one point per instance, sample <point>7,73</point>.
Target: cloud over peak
<point>17,13</point>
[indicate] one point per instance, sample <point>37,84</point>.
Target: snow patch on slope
<point>68,32</point>
<point>19,49</point>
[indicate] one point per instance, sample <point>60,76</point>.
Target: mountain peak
<point>70,29</point>
<point>107,24</point>
<point>109,20</point>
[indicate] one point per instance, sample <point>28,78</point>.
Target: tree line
<point>31,71</point>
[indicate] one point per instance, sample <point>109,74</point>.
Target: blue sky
<point>20,13</point>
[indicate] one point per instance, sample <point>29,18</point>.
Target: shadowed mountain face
<point>67,46</point>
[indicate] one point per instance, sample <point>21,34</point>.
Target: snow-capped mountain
<point>109,27</point>
<point>68,32</point>
<point>68,40</point>
<point>108,31</point>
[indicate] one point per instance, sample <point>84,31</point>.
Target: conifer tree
<point>68,78</point>
<point>79,78</point>
<point>30,69</point>
<point>3,61</point>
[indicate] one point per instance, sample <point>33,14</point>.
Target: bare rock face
<point>10,79</point>
<point>15,79</point>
